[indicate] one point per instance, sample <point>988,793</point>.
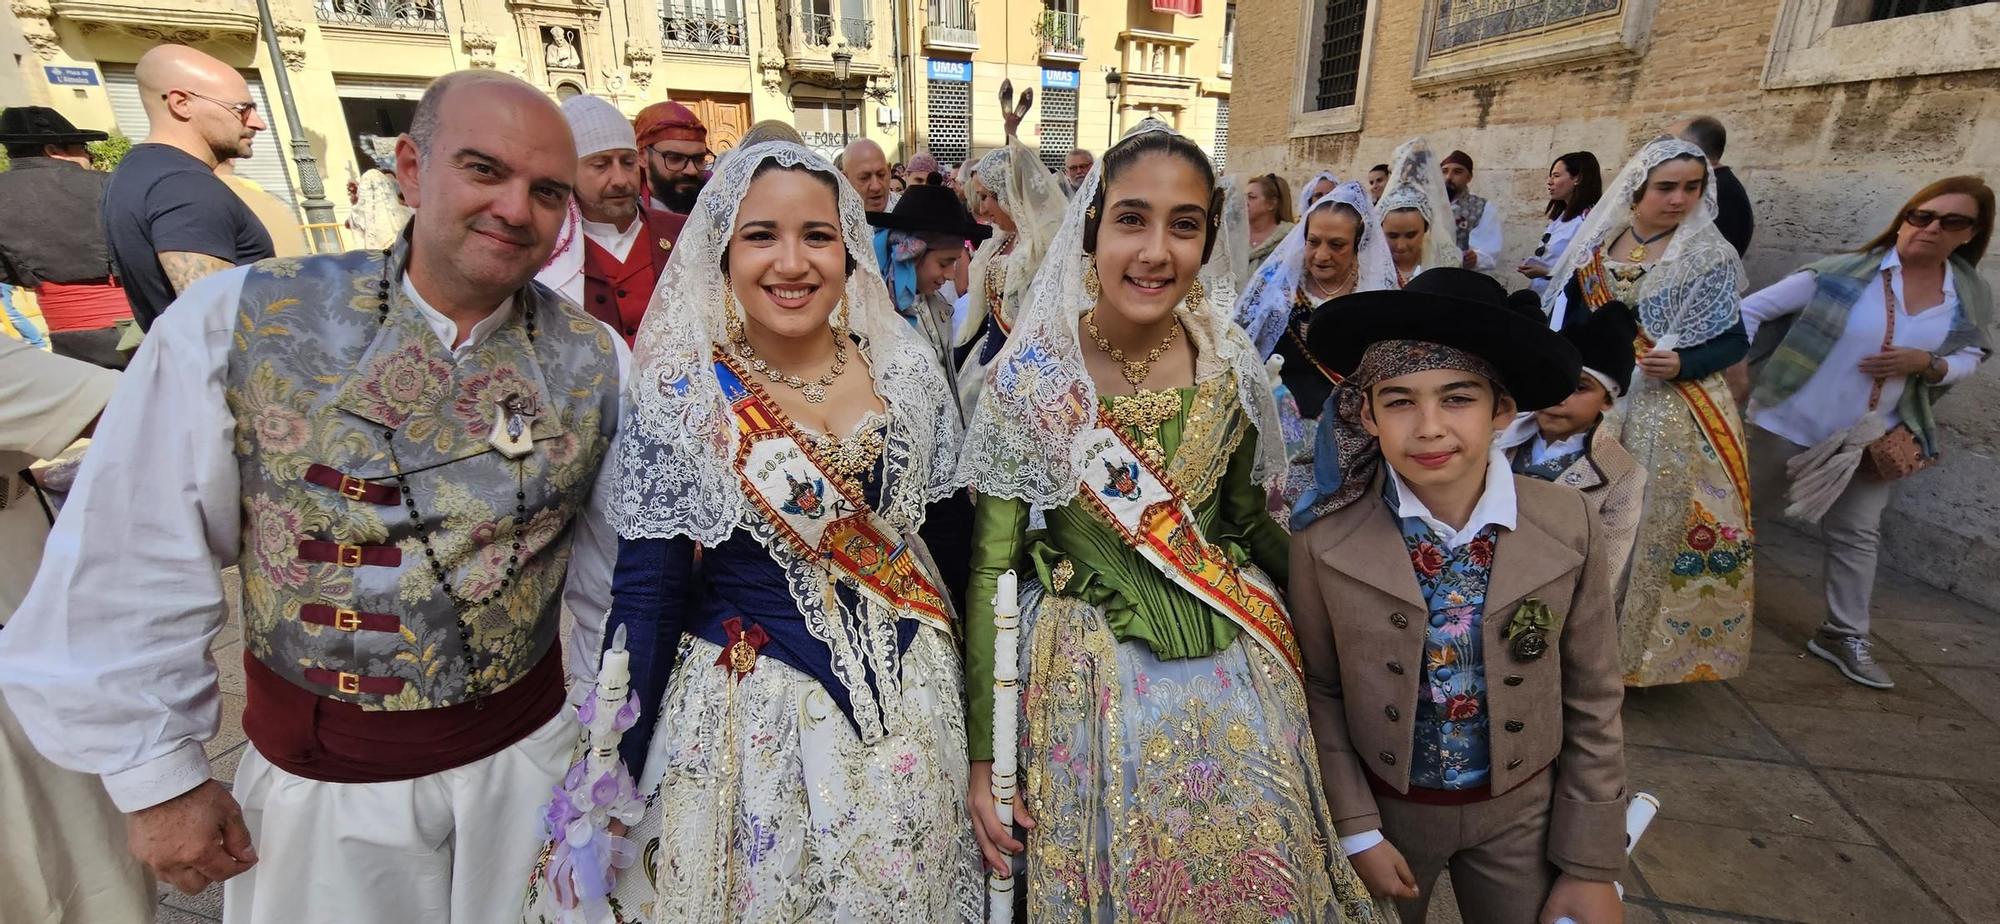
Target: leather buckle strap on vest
<point>354,684</point>
<point>350,556</point>
<point>352,488</point>
<point>347,620</point>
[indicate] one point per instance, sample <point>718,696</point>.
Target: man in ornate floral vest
<point>401,454</point>
<point>1475,222</point>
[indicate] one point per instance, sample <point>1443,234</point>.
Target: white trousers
<point>62,843</point>
<point>450,848</point>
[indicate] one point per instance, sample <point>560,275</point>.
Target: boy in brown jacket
<point>1455,620</point>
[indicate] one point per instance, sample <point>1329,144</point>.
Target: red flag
<point>1181,7</point>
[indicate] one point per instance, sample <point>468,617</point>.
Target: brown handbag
<point>1896,454</point>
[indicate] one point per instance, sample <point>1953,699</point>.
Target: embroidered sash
<point>1295,328</point>
<point>1151,515</point>
<point>1714,425</point>
<point>822,518</point>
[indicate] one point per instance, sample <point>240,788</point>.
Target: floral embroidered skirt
<point>770,808</point>
<point>1686,610</point>
<point>1171,791</point>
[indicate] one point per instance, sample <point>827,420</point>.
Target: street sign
<point>948,71</point>
<point>1060,79</point>
<point>71,76</point>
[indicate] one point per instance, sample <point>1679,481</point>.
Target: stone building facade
<point>1837,111</point>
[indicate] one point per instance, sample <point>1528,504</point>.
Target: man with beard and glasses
<point>624,246</point>
<point>674,144</point>
<point>400,453</point>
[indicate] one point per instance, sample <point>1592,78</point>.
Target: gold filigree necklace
<point>1134,371</point>
<point>815,390</point>
<point>1639,244</point>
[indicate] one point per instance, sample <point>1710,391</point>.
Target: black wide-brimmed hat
<point>934,210</point>
<point>42,125</point>
<point>1603,339</point>
<point>1457,308</point>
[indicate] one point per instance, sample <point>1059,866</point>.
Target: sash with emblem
<point>1150,512</point>
<point>819,516</point>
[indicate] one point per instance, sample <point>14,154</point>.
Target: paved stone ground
<point>1789,795</point>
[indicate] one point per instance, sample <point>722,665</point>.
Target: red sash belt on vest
<point>348,620</point>
<point>350,556</point>
<point>1445,797</point>
<point>308,735</point>
<point>372,492</point>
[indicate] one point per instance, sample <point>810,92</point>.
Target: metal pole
<point>319,211</point>
<point>845,139</point>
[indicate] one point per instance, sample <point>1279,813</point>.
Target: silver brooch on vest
<point>512,416</point>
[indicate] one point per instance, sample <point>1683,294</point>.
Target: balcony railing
<point>1061,33</point>
<point>411,15</point>
<point>702,30</point>
<point>819,30</point>
<point>951,25</point>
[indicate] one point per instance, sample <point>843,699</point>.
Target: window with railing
<point>1470,22</point>
<point>415,15</point>
<point>1229,37</point>
<point>1061,27</point>
<point>952,21</point>
<point>1337,73</point>
<point>704,25</point>
<point>822,20</point>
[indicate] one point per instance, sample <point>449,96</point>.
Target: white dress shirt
<point>615,242</point>
<point>107,662</point>
<point>1496,507</point>
<point>1541,450</point>
<point>1484,240</point>
<point>1559,233</point>
<point>1837,394</point>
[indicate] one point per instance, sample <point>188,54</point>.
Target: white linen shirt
<point>1484,239</point>
<point>1837,394</point>
<point>1559,233</point>
<point>615,242</point>
<point>107,662</point>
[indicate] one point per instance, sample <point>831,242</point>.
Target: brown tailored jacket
<point>1360,621</point>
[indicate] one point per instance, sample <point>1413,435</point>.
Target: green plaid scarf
<point>1841,280</point>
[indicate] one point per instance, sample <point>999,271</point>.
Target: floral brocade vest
<point>331,399</point>
<point>1465,214</point>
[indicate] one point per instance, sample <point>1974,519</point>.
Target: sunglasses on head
<point>1947,221</point>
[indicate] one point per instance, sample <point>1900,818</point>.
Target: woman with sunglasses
<point>1575,184</point>
<point>1888,328</point>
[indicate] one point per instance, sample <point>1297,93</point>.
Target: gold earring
<point>1092,289</point>
<point>841,321</point>
<point>732,323</point>
<point>1090,213</point>
<point>1197,298</point>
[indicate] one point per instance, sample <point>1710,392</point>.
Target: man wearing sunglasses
<point>168,218</point>
<point>674,144</point>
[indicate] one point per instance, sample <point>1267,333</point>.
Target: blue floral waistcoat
<point>1450,747</point>
<point>331,399</point>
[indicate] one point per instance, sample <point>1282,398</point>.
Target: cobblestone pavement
<point>1789,795</point>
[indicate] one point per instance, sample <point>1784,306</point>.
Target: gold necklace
<point>1134,371</point>
<point>815,391</point>
<point>1353,273</point>
<point>1639,244</point>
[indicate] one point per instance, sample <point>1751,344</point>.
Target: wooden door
<point>727,117</point>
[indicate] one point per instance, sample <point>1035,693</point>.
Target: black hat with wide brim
<point>42,125</point>
<point>931,210</point>
<point>1457,308</point>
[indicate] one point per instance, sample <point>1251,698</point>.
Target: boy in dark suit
<point>1456,620</point>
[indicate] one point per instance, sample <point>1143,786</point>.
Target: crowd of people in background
<point>1287,506</point>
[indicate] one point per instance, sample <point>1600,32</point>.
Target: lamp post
<point>325,235</point>
<point>1111,79</point>
<point>843,62</point>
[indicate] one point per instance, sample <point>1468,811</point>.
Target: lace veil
<point>1306,191</point>
<point>1033,198</point>
<point>1692,293</point>
<point>1416,180</point>
<point>676,471</point>
<point>1266,306</point>
<point>1232,245</point>
<point>1039,397</point>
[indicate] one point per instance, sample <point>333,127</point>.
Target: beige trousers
<point>1497,852</point>
<point>62,844</point>
<point>1852,530</point>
